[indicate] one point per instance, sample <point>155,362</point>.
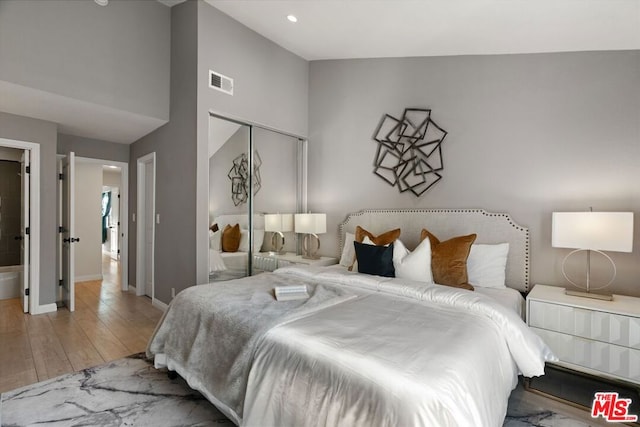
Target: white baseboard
<point>10,290</point>
<point>157,303</point>
<point>46,308</point>
<point>88,277</point>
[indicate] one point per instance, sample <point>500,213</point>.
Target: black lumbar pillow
<point>376,260</point>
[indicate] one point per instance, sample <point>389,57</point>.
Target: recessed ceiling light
<point>292,18</point>
<point>102,2</point>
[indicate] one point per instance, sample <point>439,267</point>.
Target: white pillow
<point>486,265</point>
<point>348,251</point>
<point>414,265</point>
<point>215,240</point>
<point>258,238</point>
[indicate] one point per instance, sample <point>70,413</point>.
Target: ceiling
<point>76,117</point>
<point>336,29</point>
<point>332,29</point>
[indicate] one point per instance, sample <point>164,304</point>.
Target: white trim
<point>34,224</point>
<point>140,214</point>
<point>88,277</point>
<point>159,304</point>
<point>46,308</point>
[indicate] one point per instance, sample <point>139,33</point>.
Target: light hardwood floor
<point>107,324</point>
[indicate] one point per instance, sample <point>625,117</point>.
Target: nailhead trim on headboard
<point>352,218</point>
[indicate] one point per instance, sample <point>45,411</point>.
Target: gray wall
<point>528,135</point>
<point>93,148</point>
<point>270,88</point>
<point>43,133</point>
<point>203,38</point>
<point>116,56</point>
<point>175,148</point>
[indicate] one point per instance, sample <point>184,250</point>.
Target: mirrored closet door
<point>257,181</point>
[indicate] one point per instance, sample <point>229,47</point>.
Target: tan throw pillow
<point>231,238</point>
<point>449,259</point>
<point>383,239</point>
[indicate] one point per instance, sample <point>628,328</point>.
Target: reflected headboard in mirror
<point>242,219</point>
<point>491,228</point>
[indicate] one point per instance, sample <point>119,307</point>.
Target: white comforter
<point>398,354</point>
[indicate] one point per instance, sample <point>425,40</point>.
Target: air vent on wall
<point>220,82</point>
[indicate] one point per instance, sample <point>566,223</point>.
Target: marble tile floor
<point>130,392</point>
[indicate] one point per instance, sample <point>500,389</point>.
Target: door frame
<point>25,189</point>
<point>140,224</point>
<point>34,224</point>
<point>124,213</point>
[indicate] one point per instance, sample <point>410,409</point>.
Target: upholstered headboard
<point>491,228</point>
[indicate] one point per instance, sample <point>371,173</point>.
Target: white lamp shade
<point>604,231</point>
<point>278,222</point>
<point>315,223</point>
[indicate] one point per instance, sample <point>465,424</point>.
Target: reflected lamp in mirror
<point>311,224</point>
<point>592,231</point>
<point>278,224</point>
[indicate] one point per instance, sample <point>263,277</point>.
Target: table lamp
<point>278,224</point>
<point>592,231</point>
<point>311,224</point>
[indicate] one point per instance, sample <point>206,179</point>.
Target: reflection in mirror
<point>274,176</point>
<point>228,207</point>
<point>279,191</point>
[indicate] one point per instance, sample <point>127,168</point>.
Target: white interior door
<point>24,235</point>
<point>68,231</point>
<point>145,226</point>
<point>149,227</point>
<point>114,224</point>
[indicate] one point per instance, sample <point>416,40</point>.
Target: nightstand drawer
<point>595,325</point>
<point>619,361</point>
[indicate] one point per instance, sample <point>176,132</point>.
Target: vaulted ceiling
<point>330,29</point>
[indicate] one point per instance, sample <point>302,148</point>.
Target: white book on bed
<point>291,292</point>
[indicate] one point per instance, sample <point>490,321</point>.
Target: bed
<point>362,350</point>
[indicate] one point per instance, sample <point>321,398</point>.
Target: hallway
<point>108,324</point>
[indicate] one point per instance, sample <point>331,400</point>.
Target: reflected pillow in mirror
<point>231,238</point>
<point>258,237</point>
<point>215,238</point>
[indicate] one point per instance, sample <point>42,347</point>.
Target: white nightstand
<point>588,335</point>
<point>266,262</point>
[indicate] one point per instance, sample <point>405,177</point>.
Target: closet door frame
<point>301,184</point>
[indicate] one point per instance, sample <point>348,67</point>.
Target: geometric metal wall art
<point>409,153</point>
<point>239,176</point>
